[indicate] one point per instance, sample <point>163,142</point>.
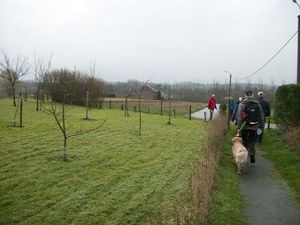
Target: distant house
<point>151,93</point>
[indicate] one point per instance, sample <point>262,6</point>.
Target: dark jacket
<point>265,107</point>
<point>240,119</point>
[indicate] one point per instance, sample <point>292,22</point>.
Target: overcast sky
<point>165,40</point>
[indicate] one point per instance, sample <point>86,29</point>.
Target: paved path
<point>201,115</point>
<point>266,200</point>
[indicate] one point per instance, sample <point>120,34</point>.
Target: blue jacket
<point>232,105</point>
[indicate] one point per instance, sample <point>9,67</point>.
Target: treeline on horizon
<point>184,91</point>
<point>53,83</point>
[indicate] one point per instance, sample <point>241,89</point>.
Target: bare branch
<point>88,131</point>
<point>12,70</point>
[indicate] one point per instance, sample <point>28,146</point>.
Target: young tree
<point>41,68</point>
<point>132,88</point>
<point>140,111</point>
<point>12,70</point>
<point>60,114</point>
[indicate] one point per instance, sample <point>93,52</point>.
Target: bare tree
<point>12,70</point>
<point>60,114</point>
<point>248,83</point>
<point>260,84</point>
<point>132,88</point>
<point>140,111</point>
<point>41,68</point>
<point>6,86</point>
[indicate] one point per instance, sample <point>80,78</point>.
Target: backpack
<point>251,113</point>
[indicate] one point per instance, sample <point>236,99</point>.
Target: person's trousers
<point>211,111</point>
<point>249,139</point>
<point>259,137</point>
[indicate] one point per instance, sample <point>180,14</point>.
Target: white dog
<point>240,153</point>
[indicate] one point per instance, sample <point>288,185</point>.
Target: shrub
<point>291,138</point>
<point>223,109</point>
<point>205,173</point>
<point>287,106</point>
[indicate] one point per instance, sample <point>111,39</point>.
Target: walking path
<point>266,199</point>
<point>204,113</point>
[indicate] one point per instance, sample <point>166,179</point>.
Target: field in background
<point>113,176</point>
<point>154,106</point>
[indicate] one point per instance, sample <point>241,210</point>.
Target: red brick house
<point>150,93</point>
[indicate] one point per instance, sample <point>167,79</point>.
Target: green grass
<point>113,176</point>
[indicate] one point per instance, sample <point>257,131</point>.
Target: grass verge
<point>285,160</point>
<point>226,207</point>
<point>205,173</point>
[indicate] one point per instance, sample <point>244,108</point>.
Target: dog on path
<point>240,153</point>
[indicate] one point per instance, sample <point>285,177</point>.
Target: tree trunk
<point>37,99</point>
<point>65,153</point>
<point>14,95</point>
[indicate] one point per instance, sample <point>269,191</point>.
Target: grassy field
<point>113,175</point>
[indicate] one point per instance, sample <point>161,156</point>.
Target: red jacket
<point>212,103</point>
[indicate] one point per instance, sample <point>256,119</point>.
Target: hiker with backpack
<point>266,110</point>
<point>250,118</point>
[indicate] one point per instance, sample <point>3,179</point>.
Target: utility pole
<point>229,100</point>
<point>298,52</point>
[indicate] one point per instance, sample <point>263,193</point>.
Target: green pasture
<point>113,175</point>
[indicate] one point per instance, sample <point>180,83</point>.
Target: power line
<point>269,60</point>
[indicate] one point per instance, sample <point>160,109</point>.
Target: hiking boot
<point>252,159</point>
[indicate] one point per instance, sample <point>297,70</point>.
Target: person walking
<point>250,117</point>
<point>212,105</point>
<point>232,106</point>
<point>233,116</point>
<point>266,110</point>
